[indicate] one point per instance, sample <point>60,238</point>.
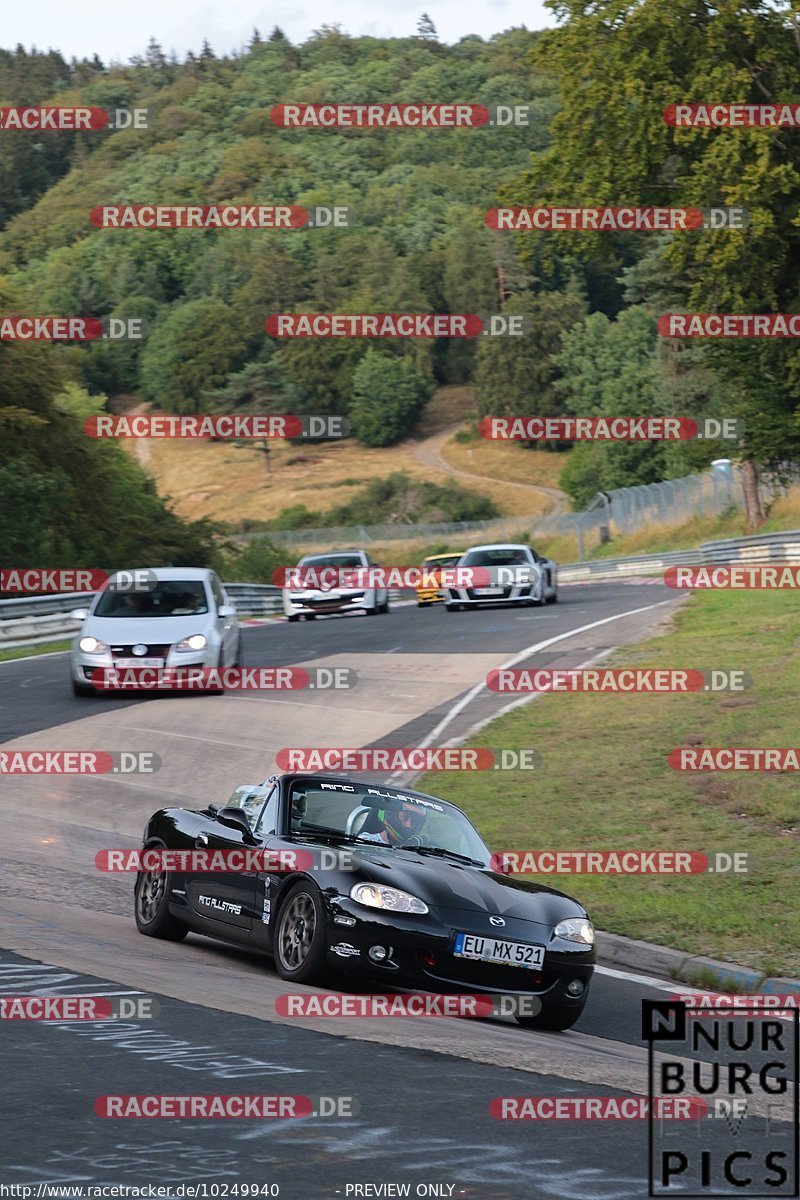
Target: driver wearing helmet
<point>401,827</point>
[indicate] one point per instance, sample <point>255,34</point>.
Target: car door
<point>226,626</point>
<point>226,900</point>
<point>380,594</point>
<point>268,883</point>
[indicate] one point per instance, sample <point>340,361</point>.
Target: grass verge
<point>33,651</point>
<point>605,784</point>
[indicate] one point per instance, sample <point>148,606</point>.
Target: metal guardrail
<point>257,599</point>
<point>33,620</point>
<point>783,546</point>
<point>615,568</point>
<point>28,620</point>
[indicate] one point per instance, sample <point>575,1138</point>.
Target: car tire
<point>554,1019</point>
<point>293,617</point>
<point>151,906</point>
<point>301,944</point>
<point>237,660</point>
<point>453,607</point>
<point>384,608</point>
<point>82,689</point>
<point>373,612</point>
<point>310,617</point>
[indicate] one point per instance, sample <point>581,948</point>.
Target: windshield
<point>332,560</point>
<point>385,816</point>
<point>501,557</point>
<point>442,560</point>
<point>169,598</point>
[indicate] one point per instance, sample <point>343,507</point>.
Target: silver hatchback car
<point>184,618</point>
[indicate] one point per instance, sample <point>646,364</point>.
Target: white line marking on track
<point>660,985</point>
<point>461,704</point>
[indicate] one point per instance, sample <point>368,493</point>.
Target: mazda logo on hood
<point>496,921</point>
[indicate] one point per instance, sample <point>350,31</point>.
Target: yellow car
<point>430,595</point>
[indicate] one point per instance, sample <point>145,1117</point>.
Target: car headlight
<point>576,929</point>
<point>374,895</point>
<point>195,642</point>
<point>92,645</point>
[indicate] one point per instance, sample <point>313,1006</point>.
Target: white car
<point>182,619</point>
<point>515,575</point>
<point>334,593</point>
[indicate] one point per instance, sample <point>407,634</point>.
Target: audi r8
<point>514,575</point>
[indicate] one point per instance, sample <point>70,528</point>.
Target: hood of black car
<point>450,886</point>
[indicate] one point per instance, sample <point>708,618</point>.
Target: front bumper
<point>421,954</point>
<point>302,603</point>
<point>429,595</point>
<point>83,665</point>
<point>524,594</point>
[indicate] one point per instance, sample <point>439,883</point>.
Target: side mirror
<point>235,819</point>
<point>79,614</point>
<point>227,610</point>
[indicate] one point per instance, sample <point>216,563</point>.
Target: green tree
<point>389,394</point>
<point>194,347</point>
<point>426,29</point>
<point>517,376</point>
<point>618,65</point>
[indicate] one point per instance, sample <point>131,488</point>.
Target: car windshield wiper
<point>440,852</point>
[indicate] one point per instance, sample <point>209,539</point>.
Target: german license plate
<point>497,950</point>
<point>490,591</point>
<point>138,662</point>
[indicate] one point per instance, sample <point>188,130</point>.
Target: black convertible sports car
<point>392,885</point>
